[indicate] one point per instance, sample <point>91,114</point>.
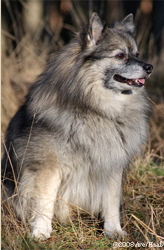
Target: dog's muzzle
<point>137,82</point>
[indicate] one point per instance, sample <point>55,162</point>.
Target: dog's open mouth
<point>133,82</point>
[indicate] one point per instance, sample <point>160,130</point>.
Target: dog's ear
<point>94,31</point>
<point>127,24</point>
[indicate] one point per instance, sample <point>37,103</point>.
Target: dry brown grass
<point>143,203</point>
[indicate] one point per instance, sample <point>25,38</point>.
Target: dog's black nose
<point>148,68</point>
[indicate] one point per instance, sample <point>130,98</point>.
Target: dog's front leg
<point>47,185</point>
<point>112,227</point>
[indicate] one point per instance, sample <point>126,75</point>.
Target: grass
<point>142,213</point>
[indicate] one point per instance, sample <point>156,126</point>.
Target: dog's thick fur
<point>82,123</point>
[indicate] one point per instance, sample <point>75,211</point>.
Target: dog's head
<point>99,70</point>
<point>114,50</point>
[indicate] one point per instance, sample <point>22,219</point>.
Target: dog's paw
<point>115,234</point>
<point>113,229</point>
<point>40,235</point>
<point>41,231</point>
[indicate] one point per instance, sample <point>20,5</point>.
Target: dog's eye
<point>120,56</point>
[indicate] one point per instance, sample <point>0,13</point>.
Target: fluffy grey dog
<point>82,123</point>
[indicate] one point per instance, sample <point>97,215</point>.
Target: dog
<point>83,122</point>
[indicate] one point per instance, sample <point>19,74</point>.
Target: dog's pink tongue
<point>141,80</point>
